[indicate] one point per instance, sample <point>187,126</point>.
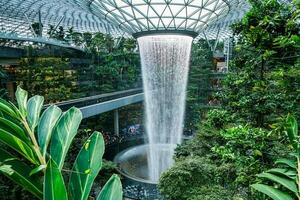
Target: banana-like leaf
<point>285,182</point>
<point>54,186</point>
<point>112,190</point>
<point>45,127</point>
<point>22,96</point>
<point>63,134</point>
<point>8,109</point>
<point>14,129</point>
<point>287,162</point>
<point>283,172</point>
<point>18,145</point>
<point>86,167</point>
<point>19,173</point>
<point>272,192</point>
<point>34,107</point>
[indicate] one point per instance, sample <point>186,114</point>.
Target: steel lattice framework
<point>17,15</point>
<point>136,16</point>
<point>207,18</point>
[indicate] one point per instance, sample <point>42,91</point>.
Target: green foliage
<point>218,118</point>
<point>84,173</point>
<point>284,180</point>
<point>109,64</point>
<point>188,175</point>
<point>44,170</point>
<point>245,147</point>
<point>68,124</point>
<point>199,82</point>
<point>262,84</point>
<point>54,187</point>
<point>214,192</point>
<point>19,172</point>
<point>111,190</point>
<point>47,123</point>
<point>50,77</point>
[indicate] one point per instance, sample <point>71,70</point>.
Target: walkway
<point>95,105</point>
<point>43,40</point>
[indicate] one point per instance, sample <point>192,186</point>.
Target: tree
<point>259,88</point>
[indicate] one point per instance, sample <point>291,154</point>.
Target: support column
<point>40,24</point>
<point>116,122</point>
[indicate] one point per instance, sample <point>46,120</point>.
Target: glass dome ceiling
<point>123,17</point>
<point>141,16</point>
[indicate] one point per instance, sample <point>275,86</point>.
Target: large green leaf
<point>8,109</point>
<point>284,172</point>
<point>19,173</point>
<point>22,96</point>
<point>112,190</point>
<point>272,192</point>
<point>287,162</point>
<point>54,186</point>
<point>285,182</point>
<point>34,107</point>
<point>63,134</point>
<point>14,129</point>
<point>86,167</point>
<point>45,127</point>
<point>18,145</point>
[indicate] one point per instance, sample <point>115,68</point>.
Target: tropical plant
<point>39,145</point>
<point>284,180</point>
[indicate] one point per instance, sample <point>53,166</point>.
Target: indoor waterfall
<point>165,65</point>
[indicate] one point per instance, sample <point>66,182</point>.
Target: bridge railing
<point>87,101</point>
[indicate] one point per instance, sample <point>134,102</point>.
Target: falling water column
<point>165,64</point>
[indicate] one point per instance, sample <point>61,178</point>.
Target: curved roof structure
<point>208,18</point>
<point>161,15</point>
<point>17,16</point>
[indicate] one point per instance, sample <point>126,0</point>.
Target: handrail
<point>86,101</point>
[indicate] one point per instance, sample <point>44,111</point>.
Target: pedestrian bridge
<point>95,105</point>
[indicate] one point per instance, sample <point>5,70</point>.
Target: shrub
<point>187,175</point>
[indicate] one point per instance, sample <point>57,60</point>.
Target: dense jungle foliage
<point>246,135</point>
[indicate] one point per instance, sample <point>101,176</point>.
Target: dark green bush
<point>211,192</point>
<point>183,179</point>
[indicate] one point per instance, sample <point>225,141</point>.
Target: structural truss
<point>207,18</point>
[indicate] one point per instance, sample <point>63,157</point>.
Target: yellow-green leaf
<point>34,107</point>
<point>46,125</point>
<point>63,134</point>
<point>86,167</point>
<point>22,96</point>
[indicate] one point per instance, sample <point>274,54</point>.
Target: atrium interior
<point>149,99</point>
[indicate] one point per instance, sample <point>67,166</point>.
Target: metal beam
<point>30,25</point>
<point>96,109</point>
<point>116,122</point>
<point>42,40</point>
